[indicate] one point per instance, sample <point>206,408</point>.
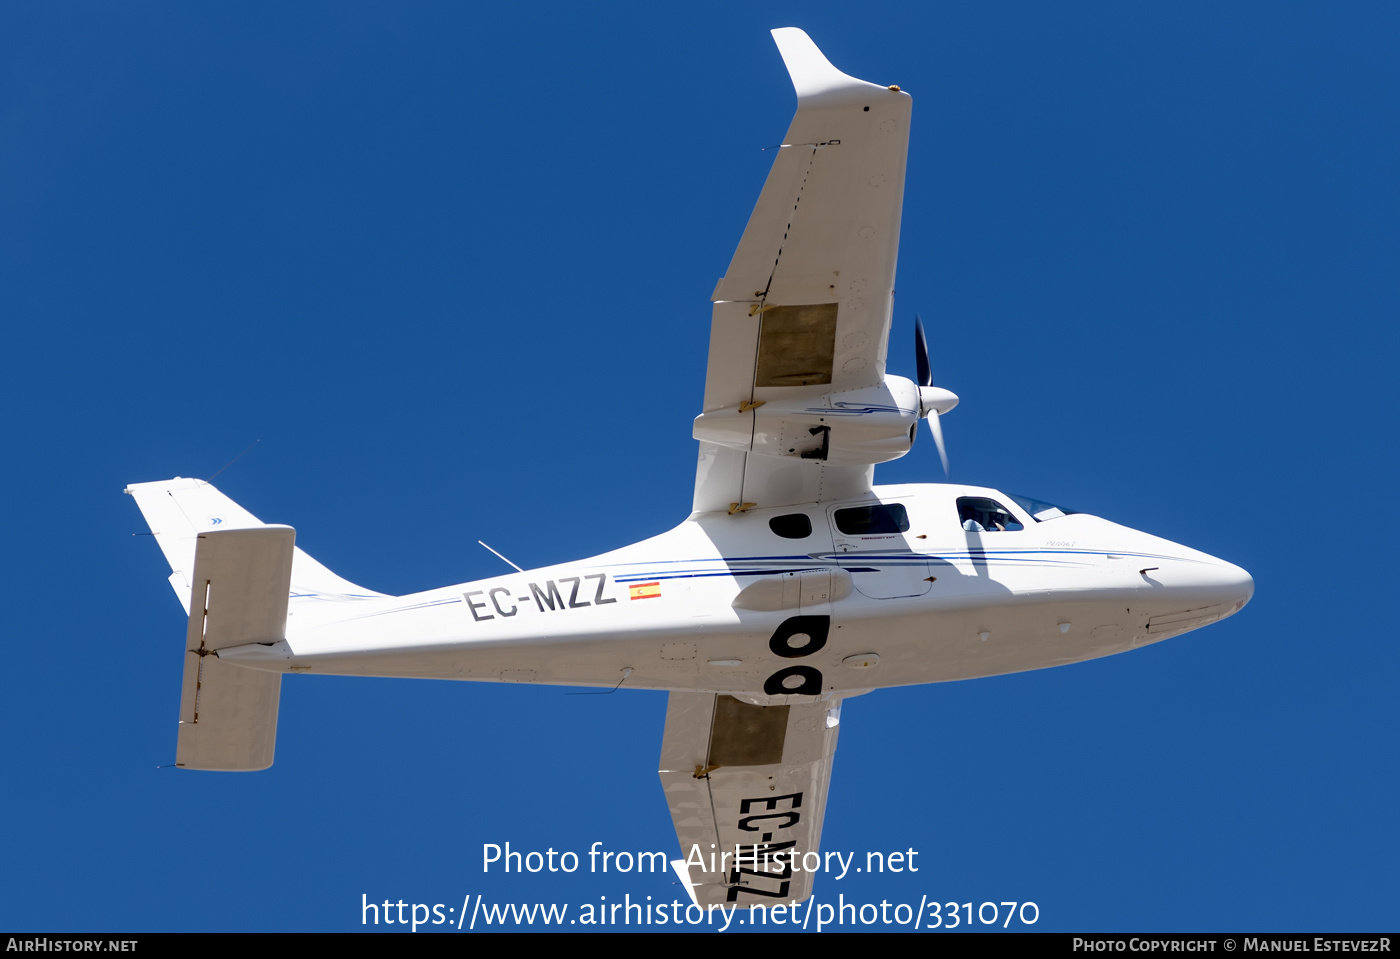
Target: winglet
<point>812,74</point>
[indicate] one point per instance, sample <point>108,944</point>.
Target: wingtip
<point>811,72</point>
<point>683,872</point>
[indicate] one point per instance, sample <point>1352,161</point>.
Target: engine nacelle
<point>856,427</point>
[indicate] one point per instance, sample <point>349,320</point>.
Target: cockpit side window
<point>886,518</point>
<point>978,514</point>
<point>791,525</point>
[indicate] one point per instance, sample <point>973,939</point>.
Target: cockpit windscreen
<point>1040,510</point>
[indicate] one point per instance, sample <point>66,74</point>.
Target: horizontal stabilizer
<point>228,713</point>
<point>237,708</point>
<point>241,581</point>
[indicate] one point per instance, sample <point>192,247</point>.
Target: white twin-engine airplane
<point>793,585</point>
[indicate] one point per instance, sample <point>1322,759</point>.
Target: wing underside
<point>747,789</point>
<point>804,308</point>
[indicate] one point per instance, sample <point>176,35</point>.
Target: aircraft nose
<point>1217,581</point>
<point>1237,581</point>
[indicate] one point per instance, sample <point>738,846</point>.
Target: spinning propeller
<point>934,401</point>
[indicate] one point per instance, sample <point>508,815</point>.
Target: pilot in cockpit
<point>982,515</point>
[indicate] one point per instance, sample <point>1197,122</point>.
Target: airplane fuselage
<point>783,605</point>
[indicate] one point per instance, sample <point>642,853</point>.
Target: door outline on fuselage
<point>882,565</point>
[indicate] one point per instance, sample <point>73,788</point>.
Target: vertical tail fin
<point>179,509</point>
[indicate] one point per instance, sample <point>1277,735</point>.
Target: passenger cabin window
<point>872,520</point>
<point>791,526</point>
<point>981,515</point>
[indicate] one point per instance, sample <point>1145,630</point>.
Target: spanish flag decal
<point>644,591</point>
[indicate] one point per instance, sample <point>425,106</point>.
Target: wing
<point>747,790</point>
<point>804,308</point>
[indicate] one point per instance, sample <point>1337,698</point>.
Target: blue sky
<point>450,266</point>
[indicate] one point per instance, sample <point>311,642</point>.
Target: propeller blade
<point>937,429</point>
<point>931,397</point>
<point>921,353</point>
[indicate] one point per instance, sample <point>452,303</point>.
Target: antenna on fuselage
<point>499,556</point>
